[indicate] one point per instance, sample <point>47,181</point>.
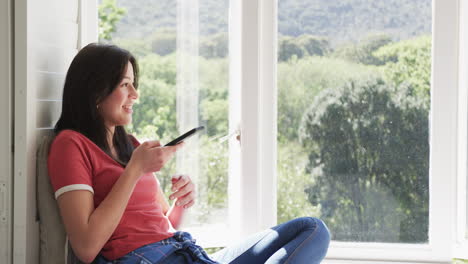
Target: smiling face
<point>116,109</point>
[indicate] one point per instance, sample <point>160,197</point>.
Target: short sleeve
<point>69,166</point>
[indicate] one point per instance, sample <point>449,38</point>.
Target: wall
<point>48,34</point>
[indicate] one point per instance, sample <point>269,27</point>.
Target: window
<point>258,94</point>
<point>353,117</point>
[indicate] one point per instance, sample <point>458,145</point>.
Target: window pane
<point>353,109</point>
<point>182,49</point>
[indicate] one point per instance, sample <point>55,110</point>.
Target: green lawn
<point>460,261</point>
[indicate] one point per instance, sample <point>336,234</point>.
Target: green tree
<point>138,47</point>
<point>300,80</point>
<point>363,52</point>
<point>214,46</point>
<point>304,45</point>
<point>213,182</point>
<point>408,62</point>
<point>164,41</point>
<point>369,159</point>
<point>214,104</point>
<point>293,178</point>
<point>109,15</point>
<point>313,45</point>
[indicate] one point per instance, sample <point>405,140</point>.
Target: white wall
<point>48,34</point>
<point>5,130</point>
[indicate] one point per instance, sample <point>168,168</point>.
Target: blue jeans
<point>302,240</point>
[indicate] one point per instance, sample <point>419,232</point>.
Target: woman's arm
<point>89,229</point>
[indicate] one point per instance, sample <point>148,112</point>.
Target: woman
<point>112,206</point>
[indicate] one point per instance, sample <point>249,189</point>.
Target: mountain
<point>338,20</point>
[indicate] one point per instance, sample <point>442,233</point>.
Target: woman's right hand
<point>150,156</point>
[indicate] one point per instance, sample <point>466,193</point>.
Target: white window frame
<point>253,70</point>
<point>258,155</point>
<point>461,241</point>
<point>88,22</point>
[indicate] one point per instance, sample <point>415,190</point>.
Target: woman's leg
<point>302,240</point>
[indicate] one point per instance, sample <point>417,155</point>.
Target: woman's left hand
<point>184,191</point>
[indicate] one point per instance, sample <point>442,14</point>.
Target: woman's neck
<point>110,137</point>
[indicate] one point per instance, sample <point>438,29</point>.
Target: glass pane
<point>353,108</point>
<point>182,50</point>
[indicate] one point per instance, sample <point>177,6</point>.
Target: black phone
<point>184,136</point>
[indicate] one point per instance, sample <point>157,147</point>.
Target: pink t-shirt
<point>76,163</point>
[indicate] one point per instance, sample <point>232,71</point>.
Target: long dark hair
<point>94,73</point>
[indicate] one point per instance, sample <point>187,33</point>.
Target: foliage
<point>363,52</point>
<point>339,21</point>
<point>350,20</point>
<point>164,41</point>
<point>299,81</point>
<point>109,15</point>
<point>369,157</point>
<point>156,14</point>
<point>292,181</point>
<point>409,62</point>
<point>214,46</point>
<point>214,103</point>
<point>138,47</point>
<point>305,45</point>
<point>213,182</point>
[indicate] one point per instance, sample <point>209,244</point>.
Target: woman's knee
<point>316,224</point>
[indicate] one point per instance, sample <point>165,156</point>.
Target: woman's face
<point>116,109</point>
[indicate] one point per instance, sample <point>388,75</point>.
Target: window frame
<point>256,50</point>
<point>258,27</point>
<point>460,247</point>
<point>88,22</point>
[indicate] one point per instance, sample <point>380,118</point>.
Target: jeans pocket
<point>132,258</point>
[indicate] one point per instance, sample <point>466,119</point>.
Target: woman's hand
<point>151,157</point>
<point>184,191</point>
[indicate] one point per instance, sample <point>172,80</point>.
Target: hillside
<point>337,20</point>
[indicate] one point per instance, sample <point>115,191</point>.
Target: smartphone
<point>184,136</point>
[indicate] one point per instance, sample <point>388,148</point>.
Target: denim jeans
<point>180,248</point>
<point>300,241</point>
